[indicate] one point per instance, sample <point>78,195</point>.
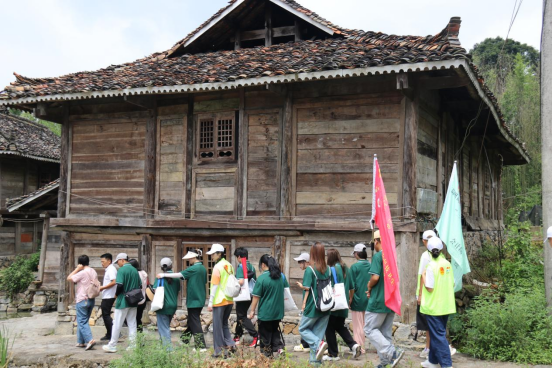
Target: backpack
<point>324,290</point>
<point>233,287</point>
<point>93,290</point>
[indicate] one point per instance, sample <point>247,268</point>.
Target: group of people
<point>319,327</point>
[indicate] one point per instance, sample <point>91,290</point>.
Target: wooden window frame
<point>228,152</point>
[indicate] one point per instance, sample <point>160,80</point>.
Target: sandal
<point>80,345</point>
<point>91,344</point>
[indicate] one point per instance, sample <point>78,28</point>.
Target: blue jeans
<point>84,310</point>
<point>312,331</point>
<point>164,328</point>
<point>439,351</point>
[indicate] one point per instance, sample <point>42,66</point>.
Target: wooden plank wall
<point>170,156</point>
<point>107,164</point>
<point>262,163</point>
<point>7,239</point>
<point>336,143</point>
<point>214,192</point>
<point>52,261</point>
<point>428,130</point>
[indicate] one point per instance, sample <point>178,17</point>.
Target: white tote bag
<point>245,292</point>
<point>159,297</point>
<point>289,303</point>
<point>340,297</point>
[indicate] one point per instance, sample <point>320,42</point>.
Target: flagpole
<point>373,221</point>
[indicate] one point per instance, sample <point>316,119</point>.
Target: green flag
<point>450,230</point>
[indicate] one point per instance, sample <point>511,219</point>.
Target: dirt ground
<point>35,345</point>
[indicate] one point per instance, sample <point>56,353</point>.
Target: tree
<point>54,127</point>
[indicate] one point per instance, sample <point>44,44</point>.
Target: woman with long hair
<point>142,304</point>
<point>358,301</point>
<point>83,276</point>
<point>196,275</point>
<point>268,294</point>
<point>165,314</point>
<point>336,323</point>
<point>314,322</point>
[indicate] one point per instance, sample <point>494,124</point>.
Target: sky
<point>49,38</point>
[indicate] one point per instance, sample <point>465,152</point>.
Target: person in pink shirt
<point>82,276</point>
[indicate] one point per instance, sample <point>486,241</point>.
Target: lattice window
<point>215,136</point>
<point>205,259</point>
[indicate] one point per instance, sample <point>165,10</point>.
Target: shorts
<point>421,321</point>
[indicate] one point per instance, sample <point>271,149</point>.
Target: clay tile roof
<point>24,199</point>
<point>26,138</point>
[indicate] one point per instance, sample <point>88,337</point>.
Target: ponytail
<point>273,266</point>
<point>166,268</point>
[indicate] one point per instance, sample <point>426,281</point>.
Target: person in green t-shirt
<point>242,255</point>
<point>268,294</point>
<point>314,322</point>
<point>127,279</point>
<point>196,276</point>
<point>165,314</point>
<point>379,318</point>
<point>303,261</point>
<point>336,323</point>
<point>438,303</point>
<point>357,293</point>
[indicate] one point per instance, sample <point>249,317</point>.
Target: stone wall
<point>32,300</point>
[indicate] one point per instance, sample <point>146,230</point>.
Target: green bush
<point>18,276</point>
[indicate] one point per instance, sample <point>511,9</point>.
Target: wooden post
<point>66,264</point>
<point>149,167</point>
<point>242,159</point>
<point>297,30</point>
<point>286,157</point>
<point>63,166</point>
<point>43,245</point>
<point>35,236</point>
<point>237,39</point>
<point>409,242</point>
<point>439,167</point>
<point>26,178</point>
<point>177,261</point>
<point>17,237</point>
<point>280,250</point>
<point>268,24</point>
<point>188,155</point>
<point>145,255</point>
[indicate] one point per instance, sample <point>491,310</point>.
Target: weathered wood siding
<point>170,161</point>
<point>336,142</point>
<point>107,164</point>
<point>52,261</point>
<point>7,239</point>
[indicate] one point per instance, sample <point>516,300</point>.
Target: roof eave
<point>27,200</point>
<point>38,158</point>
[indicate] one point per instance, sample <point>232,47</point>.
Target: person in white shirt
<point>108,289</point>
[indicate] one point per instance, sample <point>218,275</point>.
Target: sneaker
<point>236,340</point>
<point>424,353</point>
<point>397,355</point>
<point>280,353</point>
<point>109,349</point>
<point>254,343</point>
<point>321,349</point>
<point>327,358</point>
<point>427,364</point>
<point>105,338</point>
<point>203,350</point>
<point>452,350</point>
<point>300,348</point>
<point>356,351</point>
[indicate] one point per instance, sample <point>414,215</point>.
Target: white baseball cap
<point>548,233</point>
<point>428,234</point>
<point>434,243</point>
<point>166,262</point>
<point>216,248</point>
<point>358,248</point>
<point>191,255</point>
<point>303,257</point>
<point>121,256</point>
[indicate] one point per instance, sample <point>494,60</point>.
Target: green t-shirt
<point>376,304</point>
<point>239,271</point>
<point>130,279</point>
<point>344,313</point>
<point>360,276</point>
<point>171,295</point>
<point>271,297</point>
<point>196,275</point>
<point>309,280</point>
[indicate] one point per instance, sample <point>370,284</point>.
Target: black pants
<point>337,325</point>
<point>305,344</point>
<point>270,337</point>
<point>194,329</point>
<point>106,306</point>
<point>139,314</point>
<point>243,321</point>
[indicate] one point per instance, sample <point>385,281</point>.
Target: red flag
<point>383,219</point>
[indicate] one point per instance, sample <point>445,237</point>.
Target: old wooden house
<point>29,160</point>
<point>259,130</point>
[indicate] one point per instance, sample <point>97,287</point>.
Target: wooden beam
<point>260,34</point>
<point>242,158</point>
<point>237,40</point>
<point>410,154</point>
<point>297,30</point>
<point>285,185</point>
<point>440,165</point>
<point>268,24</point>
<point>442,82</point>
<point>188,156</point>
<point>69,170</point>
<point>150,164</point>
<point>64,271</point>
<point>43,246</point>
<point>64,164</point>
